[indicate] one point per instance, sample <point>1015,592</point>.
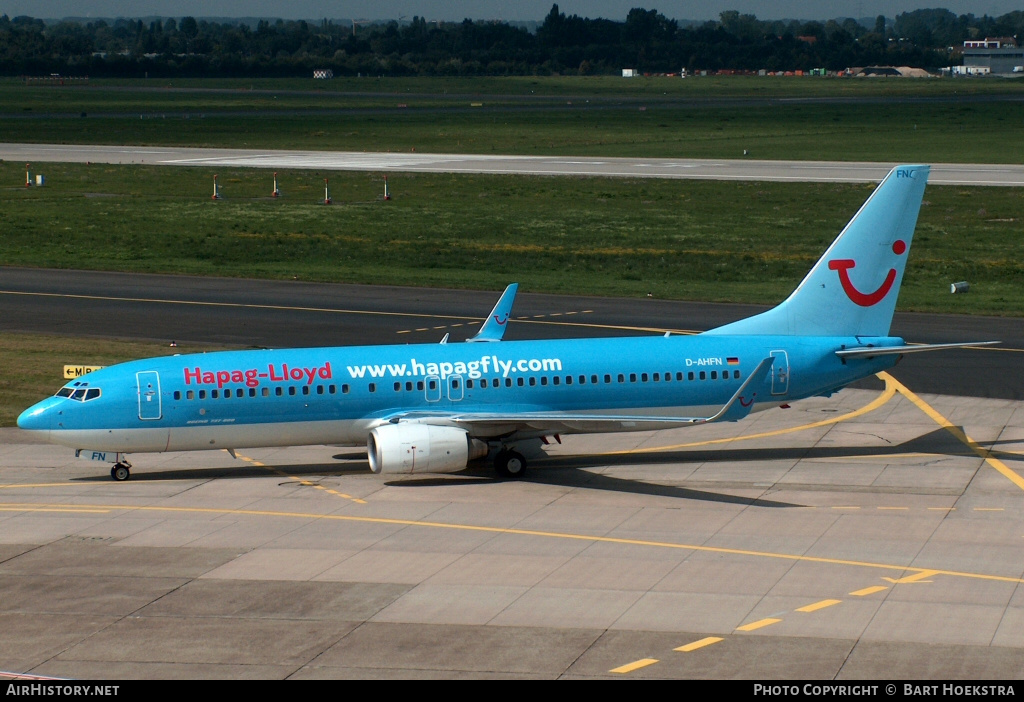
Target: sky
<point>518,11</point>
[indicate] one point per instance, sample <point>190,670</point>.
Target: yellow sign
<point>77,371</point>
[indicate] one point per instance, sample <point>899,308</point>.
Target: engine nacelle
<point>421,448</point>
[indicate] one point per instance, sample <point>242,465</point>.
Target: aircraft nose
<point>39,417</point>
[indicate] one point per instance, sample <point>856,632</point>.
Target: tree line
<point>646,41</point>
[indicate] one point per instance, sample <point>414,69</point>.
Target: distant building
<point>323,73</point>
<point>992,55</point>
<point>628,72</point>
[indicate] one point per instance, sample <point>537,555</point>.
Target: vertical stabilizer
<point>852,289</point>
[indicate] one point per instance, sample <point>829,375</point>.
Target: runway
<point>706,169</point>
<point>872,536</point>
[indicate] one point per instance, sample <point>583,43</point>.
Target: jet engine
<point>421,448</point>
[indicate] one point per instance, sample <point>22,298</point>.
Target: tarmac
<point>872,536</point>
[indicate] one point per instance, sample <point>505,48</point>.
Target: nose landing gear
<point>121,471</point>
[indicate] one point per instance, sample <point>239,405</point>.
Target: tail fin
<point>852,289</point>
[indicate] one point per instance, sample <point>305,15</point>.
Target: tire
<point>510,464</point>
<point>120,472</point>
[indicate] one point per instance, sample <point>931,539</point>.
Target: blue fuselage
<point>335,395</point>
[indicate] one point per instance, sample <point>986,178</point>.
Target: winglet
<point>742,401</point>
<point>494,326</point>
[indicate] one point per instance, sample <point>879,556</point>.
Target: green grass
<point>669,117</point>
<point>680,239</point>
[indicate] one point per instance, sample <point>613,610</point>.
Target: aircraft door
<point>780,373</point>
<point>433,388</point>
<point>150,406</point>
<point>455,389</point>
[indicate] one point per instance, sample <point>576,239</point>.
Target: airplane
<point>434,408</point>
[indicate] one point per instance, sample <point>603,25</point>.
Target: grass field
<point>920,120</point>
<point>744,242</point>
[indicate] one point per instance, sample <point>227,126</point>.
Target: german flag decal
<point>732,361</point>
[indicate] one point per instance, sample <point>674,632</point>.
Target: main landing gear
<point>510,464</point>
<point>121,471</point>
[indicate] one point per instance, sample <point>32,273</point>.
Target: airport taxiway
<point>862,537</point>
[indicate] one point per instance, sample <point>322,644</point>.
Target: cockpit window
<point>81,394</point>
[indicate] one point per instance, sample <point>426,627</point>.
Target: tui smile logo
<point>501,320</point>
<point>843,266</point>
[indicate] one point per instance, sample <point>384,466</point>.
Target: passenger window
<point>593,379</point>
<point>252,392</point>
<point>305,389</point>
<point>714,375</point>
<point>191,395</point>
<point>556,380</point>
<point>703,375</point>
<point>279,391</point>
<point>202,394</point>
<point>333,389</point>
<point>736,374</point>
<point>543,380</point>
<point>643,377</point>
<point>408,386</point>
<point>344,389</point>
<point>508,382</point>
<point>622,378</point>
<point>469,384</point>
<point>520,382</point>
<point>213,394</point>
<point>632,377</point>
<point>533,381</point>
<point>419,385</point>
<point>455,383</point>
<point>607,378</point>
<point>398,387</point>
<point>690,375</point>
<point>373,387</point>
<point>291,389</point>
<point>177,394</point>
<point>657,377</point>
<point>266,392</point>
<point>679,376</point>
<point>319,389</point>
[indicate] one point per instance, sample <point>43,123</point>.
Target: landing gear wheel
<point>510,464</point>
<point>120,472</point>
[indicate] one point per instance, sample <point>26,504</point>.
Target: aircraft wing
<point>498,424</point>
<point>494,326</point>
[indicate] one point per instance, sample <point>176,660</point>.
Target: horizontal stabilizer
<point>872,351</point>
<point>493,328</point>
